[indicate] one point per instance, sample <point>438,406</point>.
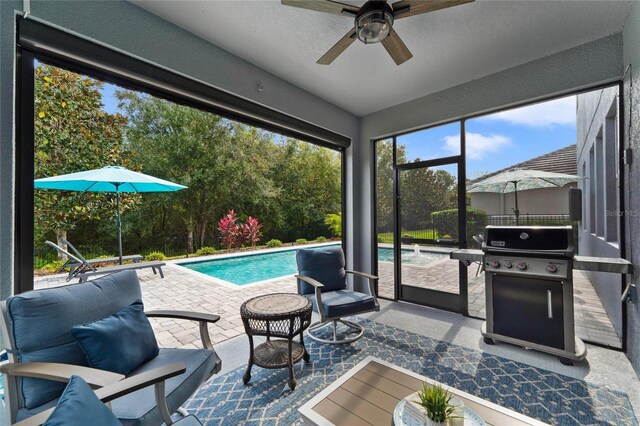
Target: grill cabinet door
<point>522,307</point>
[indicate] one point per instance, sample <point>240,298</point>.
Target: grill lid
<point>529,239</point>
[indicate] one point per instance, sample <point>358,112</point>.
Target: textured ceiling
<point>449,47</point>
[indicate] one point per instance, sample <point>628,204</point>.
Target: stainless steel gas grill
<point>529,287</point>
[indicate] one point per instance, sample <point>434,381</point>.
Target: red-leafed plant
<point>230,232</point>
<point>251,231</point>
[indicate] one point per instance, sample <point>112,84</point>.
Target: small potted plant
<point>438,405</point>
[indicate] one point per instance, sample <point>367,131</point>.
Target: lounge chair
<point>322,278</point>
<point>38,331</point>
<point>72,265</point>
<point>86,270</point>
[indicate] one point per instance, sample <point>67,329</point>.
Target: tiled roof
<point>563,160</point>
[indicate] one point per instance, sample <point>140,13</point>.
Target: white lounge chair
<point>72,264</point>
<point>85,270</point>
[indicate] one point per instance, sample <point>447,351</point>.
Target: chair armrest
<point>371,286</point>
<point>202,318</point>
<point>309,280</point>
<point>118,389</point>
<point>139,381</point>
<point>362,274</point>
<point>317,286</point>
<point>194,316</point>
<point>61,372</point>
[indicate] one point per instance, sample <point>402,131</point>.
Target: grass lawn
<point>387,237</point>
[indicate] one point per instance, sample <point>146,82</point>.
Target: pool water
<point>410,257</point>
<point>242,270</point>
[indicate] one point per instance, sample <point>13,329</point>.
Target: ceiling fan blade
<point>396,48</point>
<point>406,8</point>
<point>327,6</point>
<point>338,48</point>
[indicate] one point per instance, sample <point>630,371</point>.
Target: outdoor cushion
<point>138,408</point>
<point>121,342</point>
<point>78,405</point>
<point>323,264</point>
<point>41,321</point>
<point>342,303</point>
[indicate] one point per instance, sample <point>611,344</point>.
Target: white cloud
<point>558,112</point>
<point>478,146</point>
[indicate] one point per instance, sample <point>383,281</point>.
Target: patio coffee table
<point>283,315</point>
<point>369,392</point>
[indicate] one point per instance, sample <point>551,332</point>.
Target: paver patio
<point>182,289</point>
<point>591,321</point>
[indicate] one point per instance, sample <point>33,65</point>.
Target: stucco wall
<point>547,201</point>
<point>592,63</point>
<point>136,31</point>
<point>631,37</point>
<point>593,109</point>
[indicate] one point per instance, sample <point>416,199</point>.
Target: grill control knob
<point>522,266</point>
<point>552,269</point>
<point>508,265</point>
<point>495,264</point>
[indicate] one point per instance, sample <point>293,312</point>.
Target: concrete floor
<point>591,321</point>
<point>602,366</point>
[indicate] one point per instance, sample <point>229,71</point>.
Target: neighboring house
<point>598,153</point>
<point>545,201</point>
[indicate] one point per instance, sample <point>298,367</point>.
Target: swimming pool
<point>247,269</point>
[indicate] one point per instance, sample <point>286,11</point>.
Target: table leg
<point>306,356</point>
<point>292,379</point>
<point>247,374</point>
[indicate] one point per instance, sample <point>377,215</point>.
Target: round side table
<point>281,315</point>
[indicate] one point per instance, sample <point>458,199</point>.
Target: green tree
<point>308,178</point>
<point>72,134</point>
<point>223,164</point>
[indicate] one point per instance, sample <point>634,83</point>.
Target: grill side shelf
<point>468,255</point>
<point>603,264</point>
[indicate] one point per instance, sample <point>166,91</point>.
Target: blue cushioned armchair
<point>322,278</point>
<point>37,329</point>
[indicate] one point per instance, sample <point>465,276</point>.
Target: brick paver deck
<point>591,321</point>
<point>182,289</point>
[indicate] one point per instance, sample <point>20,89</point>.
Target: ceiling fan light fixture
<point>374,25</point>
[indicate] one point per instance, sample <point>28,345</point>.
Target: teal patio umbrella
<point>108,179</point>
<point>521,180</point>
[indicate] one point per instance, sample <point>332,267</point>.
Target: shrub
<point>446,222</point>
<point>155,255</point>
<point>301,241</point>
<point>334,221</point>
<point>203,251</point>
<point>274,243</point>
<point>251,231</point>
<point>52,267</point>
<point>230,233</point>
<point>321,239</point>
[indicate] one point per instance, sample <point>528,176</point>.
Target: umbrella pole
<point>516,211</point>
<point>119,225</point>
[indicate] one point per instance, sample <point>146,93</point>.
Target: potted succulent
<point>438,405</point>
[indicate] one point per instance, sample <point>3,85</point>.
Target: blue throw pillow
<point>119,343</point>
<point>78,405</point>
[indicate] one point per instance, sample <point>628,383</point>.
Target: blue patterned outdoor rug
<point>542,394</point>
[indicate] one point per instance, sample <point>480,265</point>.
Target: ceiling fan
<point>373,22</point>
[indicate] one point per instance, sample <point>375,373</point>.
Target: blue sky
<point>500,140</point>
<point>494,141</point>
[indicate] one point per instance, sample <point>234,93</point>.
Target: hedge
<point>446,222</point>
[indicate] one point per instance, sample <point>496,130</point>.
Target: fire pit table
<point>281,315</point>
